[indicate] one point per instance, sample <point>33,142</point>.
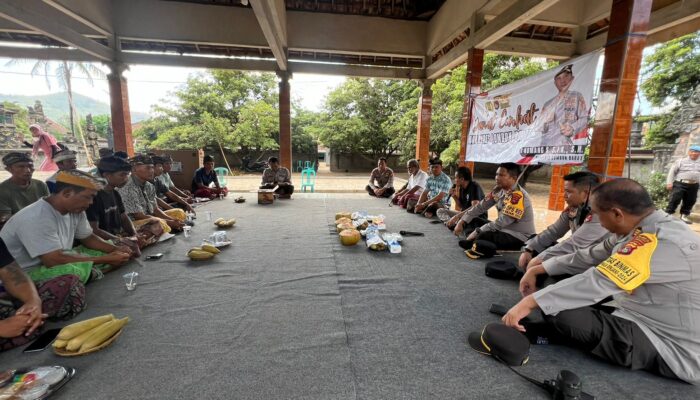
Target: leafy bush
<point>656,186</point>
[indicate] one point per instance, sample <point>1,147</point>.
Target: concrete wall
<point>359,163</point>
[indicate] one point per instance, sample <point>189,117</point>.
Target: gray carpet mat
<point>287,312</point>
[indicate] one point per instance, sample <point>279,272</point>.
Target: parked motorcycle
<point>248,165</point>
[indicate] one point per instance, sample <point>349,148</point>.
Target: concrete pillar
<point>627,36</point>
<point>119,104</point>
<point>425,110</point>
<point>285,122</point>
<point>475,66</point>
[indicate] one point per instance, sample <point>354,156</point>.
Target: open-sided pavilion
<point>397,39</point>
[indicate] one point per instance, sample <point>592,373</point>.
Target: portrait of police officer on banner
<point>566,114</point>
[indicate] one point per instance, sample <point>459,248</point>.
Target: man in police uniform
<point>682,181</point>
<point>566,114</point>
<point>649,266</point>
<point>585,228</point>
<point>515,223</point>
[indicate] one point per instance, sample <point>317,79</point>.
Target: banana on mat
<point>59,344</point>
<point>199,255</point>
<point>211,249</point>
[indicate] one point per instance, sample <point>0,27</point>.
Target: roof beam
<point>514,16</point>
<point>533,48</point>
<point>661,20</point>
<point>29,15</point>
<point>43,53</point>
<point>272,20</point>
<point>77,17</point>
<point>356,70</point>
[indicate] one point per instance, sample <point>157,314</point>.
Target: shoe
<point>686,219</point>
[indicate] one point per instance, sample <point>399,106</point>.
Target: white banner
<point>542,119</point>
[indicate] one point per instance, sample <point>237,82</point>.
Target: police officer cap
<point>481,249</point>
<point>113,164</point>
<point>502,269</point>
<point>568,68</point>
<point>158,159</point>
<point>695,147</point>
<point>502,342</point>
<point>16,157</point>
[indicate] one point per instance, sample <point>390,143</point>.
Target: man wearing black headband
<point>19,190</point>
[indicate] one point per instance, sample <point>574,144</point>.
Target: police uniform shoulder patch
<point>589,218</point>
<point>514,204</point>
<point>630,266</point>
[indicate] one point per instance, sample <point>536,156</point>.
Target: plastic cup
<point>130,280</point>
<point>186,230</point>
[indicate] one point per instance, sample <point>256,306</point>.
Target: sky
<point>149,84</point>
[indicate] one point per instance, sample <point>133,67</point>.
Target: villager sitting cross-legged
<point>19,190</point>
<point>168,199</point>
<point>107,214</point>
<point>435,196</point>
<point>466,193</point>
<point>165,178</point>
<point>40,236</point>
<point>24,306</point>
<point>277,176</point>
<point>515,223</point>
<point>139,197</point>
<point>203,178</point>
<point>409,194</point>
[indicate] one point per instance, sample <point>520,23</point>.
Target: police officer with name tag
<point>650,268</point>
<point>683,179</point>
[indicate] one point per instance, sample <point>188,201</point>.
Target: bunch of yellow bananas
<point>85,335</point>
<point>225,223</point>
<point>205,252</point>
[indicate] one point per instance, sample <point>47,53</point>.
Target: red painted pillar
<point>627,36</point>
<point>119,104</point>
<point>475,67</point>
<point>425,110</point>
<point>285,122</point>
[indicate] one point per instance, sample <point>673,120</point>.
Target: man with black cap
<point>165,178</point>
<point>585,228</point>
<point>40,236</point>
<point>515,223</point>
<point>139,197</point>
<point>650,268</point>
<point>67,160</point>
<point>203,178</point>
<point>683,181</point>
<point>565,116</point>
<point>107,215</point>
<point>19,190</point>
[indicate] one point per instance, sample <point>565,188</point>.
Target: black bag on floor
<point>503,269</point>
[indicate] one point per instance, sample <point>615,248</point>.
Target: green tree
<point>218,107</point>
<point>101,123</point>
<point>671,74</point>
<point>672,71</point>
<point>365,116</point>
<point>303,121</point>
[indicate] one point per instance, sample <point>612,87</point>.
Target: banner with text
<point>542,119</point>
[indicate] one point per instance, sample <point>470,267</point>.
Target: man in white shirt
<point>408,196</point>
<point>683,181</point>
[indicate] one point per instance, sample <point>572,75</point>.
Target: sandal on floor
<point>239,199</point>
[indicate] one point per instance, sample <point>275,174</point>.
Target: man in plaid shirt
<point>435,196</point>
